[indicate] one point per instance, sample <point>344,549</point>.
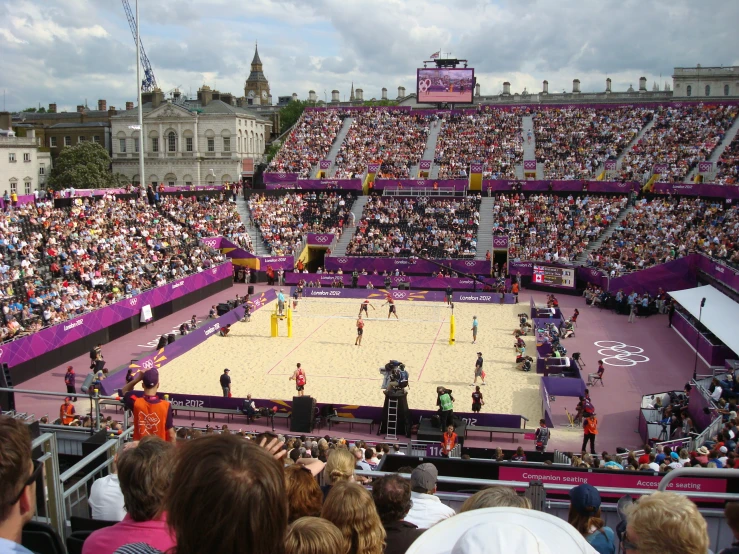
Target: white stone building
<point>188,143</point>
<point>705,82</point>
<point>23,167</point>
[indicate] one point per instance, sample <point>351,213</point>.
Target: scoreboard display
<point>552,276</point>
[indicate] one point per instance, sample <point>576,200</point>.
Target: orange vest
<point>448,442</point>
<point>67,414</point>
<point>591,426</point>
<point>150,418</point>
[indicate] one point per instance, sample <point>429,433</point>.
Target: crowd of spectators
<point>727,168</point>
<point>403,227</point>
<point>553,228</point>
<point>284,220</point>
<point>395,140</point>
<point>491,136</point>
<point>308,143</point>
<point>572,143</point>
<point>58,263</point>
<point>680,137</point>
<point>667,228</point>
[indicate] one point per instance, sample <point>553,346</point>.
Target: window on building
<point>155,144</point>
<point>689,91</point>
<point>136,145</point>
<point>226,144</point>
<point>27,157</point>
<point>726,90</point>
<point>96,139</point>
<point>708,90</point>
<point>171,183</point>
<point>27,186</point>
<point>211,145</point>
<point>172,142</point>
<point>14,185</point>
<point>188,183</point>
<point>11,157</point>
<point>188,144</point>
<point>122,145</point>
<point>67,141</point>
<point>52,142</point>
<point>41,169</point>
<point>81,139</point>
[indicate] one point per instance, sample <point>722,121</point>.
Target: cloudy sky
<point>66,51</point>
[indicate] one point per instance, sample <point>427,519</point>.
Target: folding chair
<point>593,378</point>
<point>571,420</point>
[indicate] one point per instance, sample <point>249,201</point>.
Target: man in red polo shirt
<point>151,414</point>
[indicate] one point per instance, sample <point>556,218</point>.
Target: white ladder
<point>392,419</point>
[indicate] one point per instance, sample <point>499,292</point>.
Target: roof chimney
<point>384,93</point>
<point>102,105</point>
<point>545,87</point>
<point>642,84</point>
<point>575,86</point>
<point>52,108</point>
<point>506,89</point>
<point>80,108</point>
<point>608,84</point>
<point>335,96</point>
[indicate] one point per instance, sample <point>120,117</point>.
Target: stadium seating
<point>728,165</point>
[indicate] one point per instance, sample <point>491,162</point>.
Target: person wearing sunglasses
<point>18,476</point>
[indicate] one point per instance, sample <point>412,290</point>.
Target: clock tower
<point>256,88</point>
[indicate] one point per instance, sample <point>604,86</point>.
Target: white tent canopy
<point>720,313</point>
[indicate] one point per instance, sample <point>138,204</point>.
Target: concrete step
<point>256,236</point>
<point>594,245</point>
<point>335,147</point>
<point>346,236</point>
<point>485,229</point>
<point>716,154</point>
<point>430,150</point>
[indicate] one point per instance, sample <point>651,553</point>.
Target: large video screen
<point>445,85</point>
<point>552,276</point>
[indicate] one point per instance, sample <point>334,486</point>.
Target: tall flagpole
<point>142,175</point>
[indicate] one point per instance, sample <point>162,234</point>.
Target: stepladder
<point>391,428</point>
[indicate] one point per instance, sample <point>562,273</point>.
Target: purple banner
<point>610,165</point>
<point>407,265</point>
<point>698,189</point>
<point>524,268</point>
<point>719,271</point>
<point>529,165</point>
<point>456,184</point>
<point>424,164</point>
<point>359,108</point>
<point>476,168</point>
<point>500,242</point>
<point>317,184</point>
<point>325,164</point>
<point>373,168</point>
<point>320,239</point>
<point>280,177</point>
<point>376,294</point>
<point>660,168</point>
<point>241,257</point>
<point>27,348</point>
<point>161,357</point>
<point>378,281</point>
<point>705,167</point>
<point>483,297</point>
<point>593,276</point>
<point>675,275</point>
<point>502,185</point>
<point>714,354</point>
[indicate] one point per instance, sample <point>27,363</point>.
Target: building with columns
<point>705,82</point>
<point>189,142</point>
<point>24,161</point>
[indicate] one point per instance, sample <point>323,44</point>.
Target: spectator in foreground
<point>339,467</point>
<point>106,498</point>
<point>731,512</point>
<point>427,509</point>
<point>495,496</point>
<point>145,473</point>
<point>18,475</point>
<point>665,522</point>
<point>227,495</point>
<point>392,496</point>
<point>151,414</point>
<point>314,535</point>
<point>304,496</point>
<point>584,515</point>
<point>349,506</point>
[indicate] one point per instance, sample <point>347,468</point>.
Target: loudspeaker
<point>250,290</point>
<point>222,309</point>
<point>304,414</point>
<point>7,399</point>
<point>170,338</point>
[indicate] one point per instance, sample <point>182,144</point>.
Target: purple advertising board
<point>270,178</point>
<point>719,271</point>
<point>406,265</point>
<point>424,164</point>
<point>705,167</point>
<point>698,189</point>
<point>476,168</point>
<point>503,185</point>
<point>483,297</point>
<point>500,242</point>
<point>675,275</point>
<point>529,165</point>
<point>660,168</point>
<point>317,184</point>
<point>377,294</point>
<point>714,354</point>
<point>456,184</point>
<point>325,164</point>
<point>610,165</point>
<point>241,257</point>
<point>51,338</point>
<point>373,168</point>
<point>378,281</point>
<point>182,345</point>
<point>358,108</point>
<point>320,239</point>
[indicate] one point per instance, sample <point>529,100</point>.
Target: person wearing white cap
<point>427,509</point>
<point>280,302</point>
<point>502,531</point>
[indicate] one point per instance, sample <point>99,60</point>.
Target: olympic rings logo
<point>469,264</point>
<point>215,270</point>
<point>424,85</point>
<point>133,301</point>
<point>321,238</point>
<point>620,354</point>
<point>341,260</point>
<point>148,364</point>
<point>399,295</point>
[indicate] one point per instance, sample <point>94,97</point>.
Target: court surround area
<point>324,333</point>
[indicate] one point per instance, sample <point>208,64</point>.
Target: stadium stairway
<point>644,130</point>
<point>430,150</point>
<point>256,236</point>
<point>346,236</point>
<point>582,257</point>
<point>716,154</point>
<point>338,141</point>
<point>485,230</point>
<point>529,150</point>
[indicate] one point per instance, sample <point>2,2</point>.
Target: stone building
<point>24,162</point>
<point>256,88</point>
<point>189,142</point>
<point>705,82</point>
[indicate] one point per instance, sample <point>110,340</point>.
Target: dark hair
<point>227,495</point>
<point>145,473</point>
<point>304,496</point>
<point>392,496</point>
<point>15,463</point>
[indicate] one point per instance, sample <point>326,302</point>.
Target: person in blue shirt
<point>280,302</point>
<point>585,516</point>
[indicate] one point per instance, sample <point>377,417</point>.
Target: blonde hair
<point>314,535</point>
<point>667,522</point>
<point>350,507</point>
<point>340,466</point>
<point>496,496</point>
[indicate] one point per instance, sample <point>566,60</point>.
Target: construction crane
<point>150,82</point>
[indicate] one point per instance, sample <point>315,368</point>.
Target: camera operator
<point>387,372</point>
<point>398,378</point>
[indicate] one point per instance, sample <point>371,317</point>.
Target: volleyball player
<point>363,307</point>
<point>391,311</point>
<point>360,331</point>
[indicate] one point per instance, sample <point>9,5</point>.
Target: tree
<point>272,150</point>
<point>290,114</point>
<point>34,110</point>
<point>84,166</point>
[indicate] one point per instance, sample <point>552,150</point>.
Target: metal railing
<point>441,191</point>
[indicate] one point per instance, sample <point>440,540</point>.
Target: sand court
<point>338,372</point>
